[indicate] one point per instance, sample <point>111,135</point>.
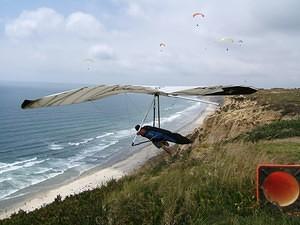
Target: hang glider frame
<point>155,105</point>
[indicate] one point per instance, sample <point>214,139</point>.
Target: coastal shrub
<point>284,100</point>
<point>277,129</point>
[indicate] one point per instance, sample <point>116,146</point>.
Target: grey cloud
<point>43,22</point>
<point>38,22</point>
<point>279,15</point>
<point>101,52</point>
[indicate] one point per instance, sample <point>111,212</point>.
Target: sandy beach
<point>95,178</point>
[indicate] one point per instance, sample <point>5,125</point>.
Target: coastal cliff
<point>238,115</point>
<point>241,114</point>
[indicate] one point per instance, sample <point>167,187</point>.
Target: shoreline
<point>98,175</point>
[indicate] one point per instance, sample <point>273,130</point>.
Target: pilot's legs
<point>164,145</point>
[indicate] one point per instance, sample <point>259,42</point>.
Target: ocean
<point>45,144</point>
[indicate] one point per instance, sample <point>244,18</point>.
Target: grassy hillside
<point>212,182</point>
<point>287,101</point>
<point>275,130</point>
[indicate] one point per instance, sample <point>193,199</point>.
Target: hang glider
<point>86,94</point>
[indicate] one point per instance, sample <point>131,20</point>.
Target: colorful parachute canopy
<point>86,94</point>
<point>198,14</point>
<point>227,40</point>
<point>162,45</point>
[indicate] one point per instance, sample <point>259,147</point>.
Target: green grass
<point>285,100</point>
<point>285,152</point>
<point>274,130</point>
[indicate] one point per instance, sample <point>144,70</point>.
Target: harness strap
<point>142,123</point>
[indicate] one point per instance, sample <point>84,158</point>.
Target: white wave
<point>60,163</point>
<point>47,176</point>
<point>5,165</point>
<point>41,170</point>
<point>105,135</point>
<point>18,166</point>
<point>55,147</point>
<point>177,115</point>
<point>79,160</point>
<point>54,174</point>
<point>5,194</point>
<point>85,141</point>
<point>180,113</point>
<point>5,179</point>
<point>74,143</point>
<point>89,139</point>
<point>30,164</point>
<point>90,152</point>
<point>192,107</point>
<point>100,147</point>
<point>125,133</point>
<point>170,118</point>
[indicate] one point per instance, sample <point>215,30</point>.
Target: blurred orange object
<point>278,185</point>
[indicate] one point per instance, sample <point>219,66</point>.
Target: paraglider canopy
<point>198,15</point>
<point>227,41</point>
<point>89,62</point>
<point>162,46</point>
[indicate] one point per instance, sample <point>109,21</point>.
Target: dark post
<point>154,107</point>
<point>158,111</point>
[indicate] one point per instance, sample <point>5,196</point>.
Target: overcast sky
<point>118,41</point>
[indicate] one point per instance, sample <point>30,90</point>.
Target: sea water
<point>41,144</point>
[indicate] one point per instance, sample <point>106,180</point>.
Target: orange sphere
<point>281,188</point>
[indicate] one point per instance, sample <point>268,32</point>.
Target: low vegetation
<point>274,130</point>
<point>285,100</point>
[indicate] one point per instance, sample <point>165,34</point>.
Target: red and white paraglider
<point>197,16</point>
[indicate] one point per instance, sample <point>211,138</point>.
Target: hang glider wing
<point>217,90</point>
<point>86,94</point>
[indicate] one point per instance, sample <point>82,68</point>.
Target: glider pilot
<point>160,137</point>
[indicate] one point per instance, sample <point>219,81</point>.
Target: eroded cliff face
<point>236,116</point>
<point>242,114</point>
